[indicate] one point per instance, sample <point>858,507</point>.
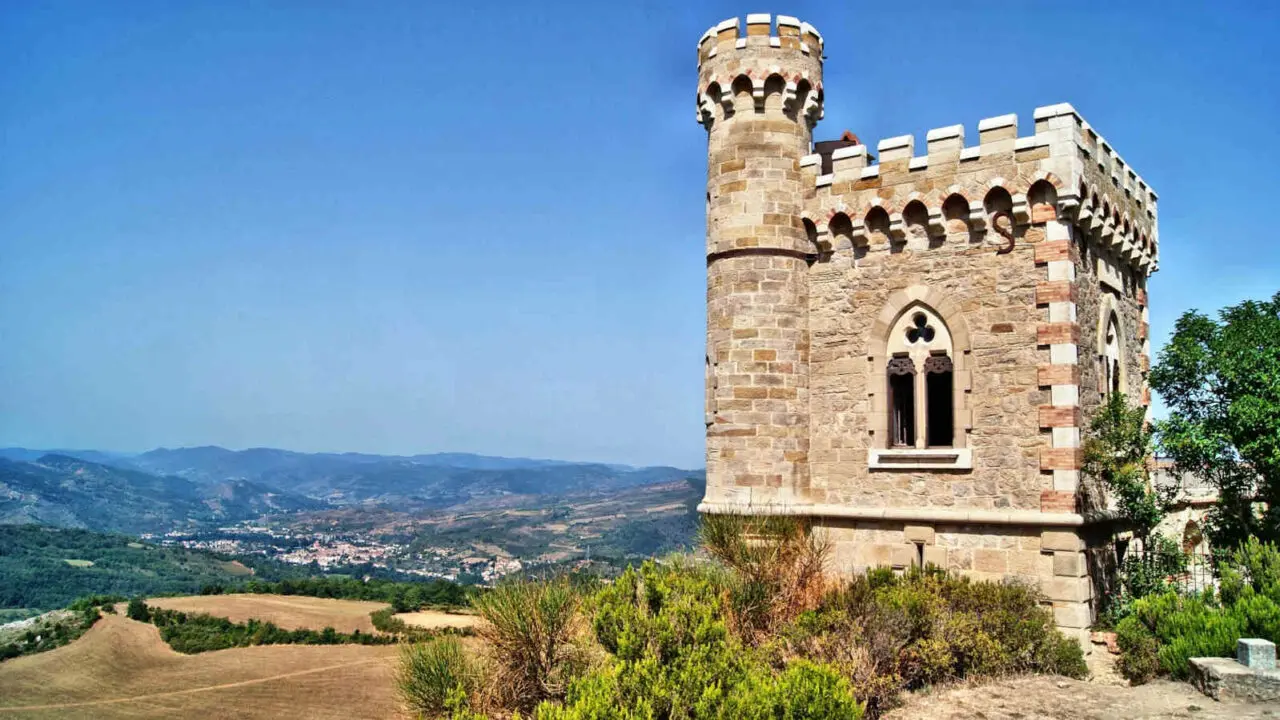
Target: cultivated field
<point>290,612</point>
<point>122,669</point>
<point>435,619</point>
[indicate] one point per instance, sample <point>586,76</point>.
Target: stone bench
<point>1251,676</point>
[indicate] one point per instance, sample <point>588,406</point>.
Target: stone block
<point>1256,654</point>
<point>1061,589</point>
<point>1061,459</point>
<point>1025,563</point>
<point>1081,636</point>
<point>1060,333</point>
<point>918,534</point>
<point>1048,375</point>
<point>1070,564</point>
<point>1060,540</point>
<point>989,560</point>
<point>959,559</point>
<point>1051,291</point>
<point>1055,416</point>
<point>1057,501</point>
<point>903,556</point>
<point>1047,251</point>
<point>1072,615</point>
<point>934,555</point>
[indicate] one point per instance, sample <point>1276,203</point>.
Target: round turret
<point>759,96</point>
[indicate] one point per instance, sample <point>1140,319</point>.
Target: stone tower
<point>906,351</point>
<point>759,98</point>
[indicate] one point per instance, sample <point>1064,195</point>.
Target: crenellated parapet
<point>1065,170</point>
<point>779,58</point>
<point>789,33</point>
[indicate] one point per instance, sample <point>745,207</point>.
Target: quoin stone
<point>904,346</point>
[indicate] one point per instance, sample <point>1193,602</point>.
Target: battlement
<point>1064,169</point>
<point>761,31</point>
<point>782,60</point>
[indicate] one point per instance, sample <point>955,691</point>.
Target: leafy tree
<point>1117,452</point>
<point>1221,381</point>
<point>138,610</point>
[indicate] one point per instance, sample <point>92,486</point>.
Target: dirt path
<point>1052,698</point>
<point>188,691</point>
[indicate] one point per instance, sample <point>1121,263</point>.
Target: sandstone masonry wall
<point>1019,248</point>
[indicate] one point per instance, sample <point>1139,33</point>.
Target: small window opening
<point>902,402</point>
<point>938,394</point>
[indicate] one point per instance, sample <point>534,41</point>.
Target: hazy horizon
<point>425,453</point>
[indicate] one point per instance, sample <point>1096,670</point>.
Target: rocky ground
<point>1105,696</point>
<point>1048,698</point>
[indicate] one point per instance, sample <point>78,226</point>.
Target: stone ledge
<point>920,459</point>
<point>1224,678</point>
<point>1030,518</point>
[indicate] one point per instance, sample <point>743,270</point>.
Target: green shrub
<point>685,640</point>
<point>531,630</point>
<point>1254,567</point>
<point>804,691</point>
<point>1138,662</point>
<point>889,633</point>
<point>137,610</point>
<point>1187,627</point>
<point>436,677</point>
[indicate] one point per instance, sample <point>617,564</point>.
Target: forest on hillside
<point>43,568</point>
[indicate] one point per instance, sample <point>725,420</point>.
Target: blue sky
<point>409,227</point>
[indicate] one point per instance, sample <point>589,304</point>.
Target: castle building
<point>905,347</point>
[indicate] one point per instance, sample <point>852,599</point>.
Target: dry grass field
<point>122,669</point>
<point>435,618</point>
<point>290,612</point>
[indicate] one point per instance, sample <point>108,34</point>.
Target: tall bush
<point>531,630</point>
<point>437,677</point>
<point>778,567</point>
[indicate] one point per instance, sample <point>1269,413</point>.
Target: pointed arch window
<point>1110,357</point>
<point>920,365</point>
<point>921,386</point>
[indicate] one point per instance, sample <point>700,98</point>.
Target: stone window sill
<point>917,459</point>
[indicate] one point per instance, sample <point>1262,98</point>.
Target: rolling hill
<point>71,492</point>
<point>429,481</point>
<point>122,669</point>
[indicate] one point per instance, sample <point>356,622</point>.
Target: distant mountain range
<point>166,489</point>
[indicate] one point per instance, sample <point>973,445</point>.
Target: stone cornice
<point>1030,518</point>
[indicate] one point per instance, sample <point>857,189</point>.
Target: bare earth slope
<point>1054,698</point>
<point>435,619</point>
<point>291,612</point>
<point>122,669</point>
